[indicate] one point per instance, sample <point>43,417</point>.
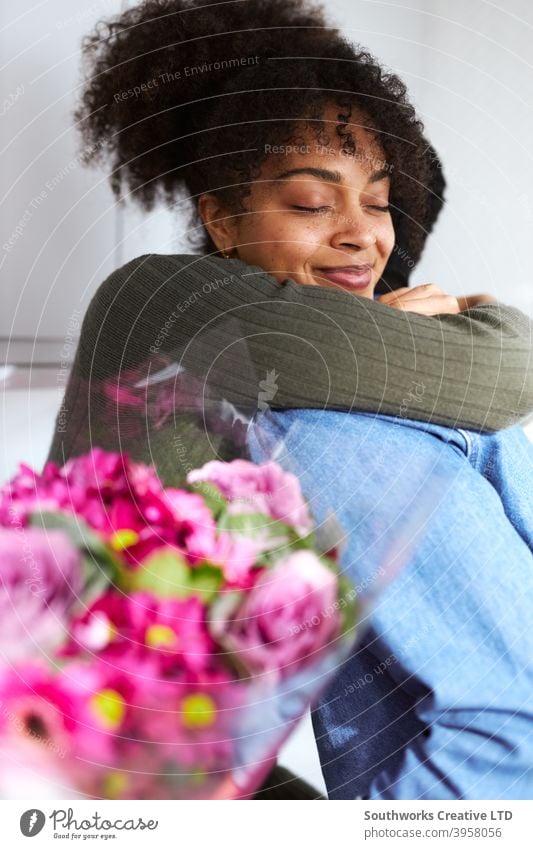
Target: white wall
<point>57,218</point>
<point>466,64</point>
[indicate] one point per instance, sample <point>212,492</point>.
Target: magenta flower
<point>124,501</point>
<point>76,711</point>
<point>196,527</point>
<point>289,614</point>
<point>120,628</point>
<point>34,707</point>
<point>40,579</point>
<point>85,485</point>
<point>264,488</point>
<point>194,727</point>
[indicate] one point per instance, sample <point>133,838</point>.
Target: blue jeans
<point>436,701</point>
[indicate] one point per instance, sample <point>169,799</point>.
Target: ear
<point>218,222</point>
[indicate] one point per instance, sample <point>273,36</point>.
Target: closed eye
<point>316,209</point>
<point>310,208</point>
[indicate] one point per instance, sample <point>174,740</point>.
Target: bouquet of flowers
<point>160,642</point>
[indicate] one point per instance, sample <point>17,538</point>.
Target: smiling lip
<point>357,276</point>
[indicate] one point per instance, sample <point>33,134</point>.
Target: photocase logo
<point>32,822</point>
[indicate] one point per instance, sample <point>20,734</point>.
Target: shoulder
<point>147,289</point>
<point>180,274</point>
<point>143,270</point>
<point>516,319</point>
<point>152,283</point>
<point>137,302</point>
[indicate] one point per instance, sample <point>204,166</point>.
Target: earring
<point>225,254</point>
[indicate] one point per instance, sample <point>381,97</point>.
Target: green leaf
<point>212,495</point>
<point>166,574</point>
<point>260,525</point>
<point>280,539</point>
<point>348,602</point>
<point>205,582</point>
<point>96,582</point>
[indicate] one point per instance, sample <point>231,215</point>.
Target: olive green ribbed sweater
<point>230,326</point>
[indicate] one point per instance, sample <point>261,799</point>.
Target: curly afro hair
<point>183,96</point>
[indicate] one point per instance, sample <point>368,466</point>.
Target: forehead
<point>305,150</point>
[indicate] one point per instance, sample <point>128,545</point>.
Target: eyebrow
<point>330,176</point>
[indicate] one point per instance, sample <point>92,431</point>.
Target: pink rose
<point>258,488</point>
<point>289,614</point>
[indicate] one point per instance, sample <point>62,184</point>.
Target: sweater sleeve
<point>249,338</point>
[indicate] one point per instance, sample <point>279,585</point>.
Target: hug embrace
<point>312,189</point>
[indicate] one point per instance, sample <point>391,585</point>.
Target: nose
<point>353,230</point>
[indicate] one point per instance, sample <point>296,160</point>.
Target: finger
<point>425,290</point>
<point>388,296</point>
<point>439,304</point>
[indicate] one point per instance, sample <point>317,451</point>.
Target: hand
<point>470,301</point>
<point>427,299</point>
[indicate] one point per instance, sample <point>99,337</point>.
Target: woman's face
<point>317,215</point>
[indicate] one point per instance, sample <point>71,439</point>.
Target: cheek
<point>305,239</point>
<point>386,238</point>
<point>284,226</point>
<point>285,236</point>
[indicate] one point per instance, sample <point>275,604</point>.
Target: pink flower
<point>40,579</point>
<point>258,488</point>
<point>34,707</point>
<point>196,526</point>
<point>123,501</point>
<point>76,711</point>
<point>236,555</point>
<point>125,628</point>
<point>120,731</point>
<point>86,485</point>
<point>289,614</point>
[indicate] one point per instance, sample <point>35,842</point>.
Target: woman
<point>168,90</point>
